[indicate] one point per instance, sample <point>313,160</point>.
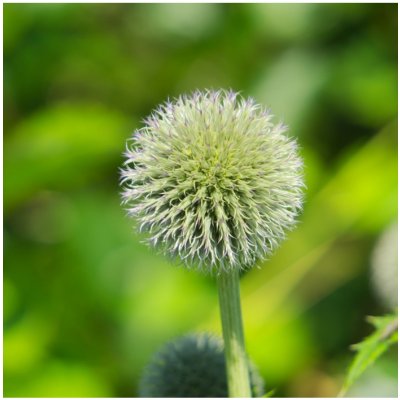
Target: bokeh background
<point>85,303</point>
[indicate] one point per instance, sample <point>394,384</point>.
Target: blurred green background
<point>85,303</point>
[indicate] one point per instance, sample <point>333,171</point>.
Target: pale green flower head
<point>213,180</point>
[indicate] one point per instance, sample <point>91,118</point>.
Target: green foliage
<point>63,145</point>
<point>372,347</point>
<point>270,393</point>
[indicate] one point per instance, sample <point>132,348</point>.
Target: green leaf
<point>61,146</point>
<point>371,347</point>
<point>270,393</point>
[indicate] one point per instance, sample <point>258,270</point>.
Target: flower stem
<point>236,360</point>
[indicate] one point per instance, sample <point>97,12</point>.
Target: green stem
<point>236,360</point>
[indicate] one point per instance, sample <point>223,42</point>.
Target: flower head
<point>192,366</point>
<point>213,180</point>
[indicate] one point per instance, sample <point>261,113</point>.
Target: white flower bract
<point>212,180</point>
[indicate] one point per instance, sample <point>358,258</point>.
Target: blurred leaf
<point>10,299</point>
<point>372,347</point>
<point>298,20</point>
<point>64,145</point>
<point>362,196</point>
<point>379,380</point>
<point>61,379</point>
<point>25,344</point>
<point>181,20</point>
<point>290,85</point>
<point>270,393</point>
<point>364,83</point>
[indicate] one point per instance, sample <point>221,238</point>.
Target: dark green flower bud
<point>191,366</point>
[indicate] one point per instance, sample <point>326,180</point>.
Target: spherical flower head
<point>213,180</point>
<point>192,366</point>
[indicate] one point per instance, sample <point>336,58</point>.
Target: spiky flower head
<point>213,180</point>
<point>192,366</point>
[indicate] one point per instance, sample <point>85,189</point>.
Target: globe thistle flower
<point>213,180</point>
<point>191,366</point>
<point>384,267</point>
